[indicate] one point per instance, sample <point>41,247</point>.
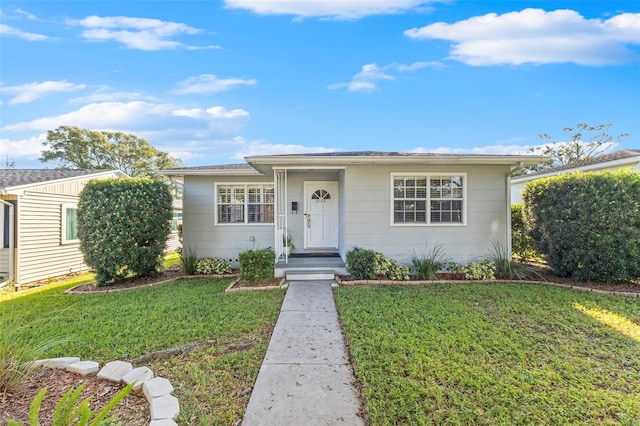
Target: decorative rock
<point>138,375</point>
<point>114,371</point>
<point>62,362</point>
<point>164,407</point>
<point>246,391</point>
<point>163,422</point>
<point>84,368</point>
<point>155,388</point>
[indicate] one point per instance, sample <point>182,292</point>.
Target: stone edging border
<point>163,407</point>
<point>232,288</point>
<point>115,290</point>
<point>421,282</point>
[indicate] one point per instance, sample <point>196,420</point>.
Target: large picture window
<point>244,203</point>
<point>423,199</point>
<point>69,223</point>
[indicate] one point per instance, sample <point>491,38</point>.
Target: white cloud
<point>106,94</point>
<point>209,83</point>
<point>135,33</point>
<point>335,9</point>
<point>213,113</point>
<point>6,30</point>
<point>105,115</point>
<point>366,80</point>
<point>259,147</point>
<point>29,92</point>
<point>537,36</point>
<point>20,148</point>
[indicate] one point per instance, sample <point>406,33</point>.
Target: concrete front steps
<point>312,268</point>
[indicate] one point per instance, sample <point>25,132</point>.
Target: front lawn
<point>126,325</point>
<point>493,354</point>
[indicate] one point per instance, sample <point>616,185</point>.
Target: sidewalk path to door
<point>306,377</point>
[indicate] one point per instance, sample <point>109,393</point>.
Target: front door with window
<point>321,214</point>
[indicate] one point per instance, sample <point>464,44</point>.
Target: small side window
<point>69,224</point>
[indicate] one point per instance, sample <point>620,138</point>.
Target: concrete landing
<point>305,377</point>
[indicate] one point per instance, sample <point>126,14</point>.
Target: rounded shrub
<point>521,242</point>
<point>587,224</point>
<point>123,226</point>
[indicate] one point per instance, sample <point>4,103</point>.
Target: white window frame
<point>246,204</point>
<point>63,219</point>
<point>428,200</point>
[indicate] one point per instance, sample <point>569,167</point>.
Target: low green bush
<point>390,269</point>
<point>507,268</point>
<point>361,264</point>
<point>256,265</point>
<point>483,270</point>
<point>366,264</point>
<point>210,265</point>
<point>587,224</point>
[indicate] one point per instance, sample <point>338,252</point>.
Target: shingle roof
<point>18,177</point>
<point>618,155</point>
<point>239,167</point>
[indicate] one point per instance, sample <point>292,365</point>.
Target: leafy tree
<point>73,147</point>
<point>579,148</point>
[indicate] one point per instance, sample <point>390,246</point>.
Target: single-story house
<point>330,203</point>
<point>624,159</point>
<point>39,211</point>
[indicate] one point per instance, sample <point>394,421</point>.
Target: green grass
<point>127,325</point>
<point>499,354</point>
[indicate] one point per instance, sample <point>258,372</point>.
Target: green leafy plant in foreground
<point>69,412</point>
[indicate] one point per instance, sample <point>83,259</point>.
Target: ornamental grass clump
<point>426,266</point>
<point>506,267</point>
<point>19,348</point>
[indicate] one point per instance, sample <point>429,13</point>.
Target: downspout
<point>11,243</point>
<point>520,166</point>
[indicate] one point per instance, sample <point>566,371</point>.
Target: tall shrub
<point>587,224</point>
<point>123,225</point>
<point>257,265</point>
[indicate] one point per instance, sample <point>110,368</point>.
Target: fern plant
<point>70,412</point>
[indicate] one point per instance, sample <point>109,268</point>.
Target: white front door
<point>321,214</point>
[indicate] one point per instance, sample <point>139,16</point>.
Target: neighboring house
<point>394,203</point>
<point>625,159</point>
<point>39,235</point>
<point>173,242</point>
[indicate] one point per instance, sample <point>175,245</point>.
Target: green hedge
<point>256,265</point>
<point>365,264</point>
<point>123,225</point>
<point>587,224</point>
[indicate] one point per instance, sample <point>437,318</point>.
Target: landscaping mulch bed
<point>169,274</point>
<point>132,410</point>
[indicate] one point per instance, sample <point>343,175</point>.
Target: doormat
<point>315,254</point>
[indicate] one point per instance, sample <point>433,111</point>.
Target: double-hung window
<point>69,218</point>
<point>428,199</point>
<point>244,203</point>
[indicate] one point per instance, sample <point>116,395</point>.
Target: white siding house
<point>625,159</point>
<point>394,203</point>
<point>39,237</point>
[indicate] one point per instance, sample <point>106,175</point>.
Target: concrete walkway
<point>305,378</point>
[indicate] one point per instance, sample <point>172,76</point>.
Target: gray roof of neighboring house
<point>239,167</point>
<point>18,177</point>
<point>618,155</point>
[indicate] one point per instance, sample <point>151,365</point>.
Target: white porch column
<point>280,185</point>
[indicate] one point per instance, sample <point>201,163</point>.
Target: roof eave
<point>210,172</point>
<point>19,188</point>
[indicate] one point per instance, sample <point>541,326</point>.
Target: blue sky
<point>212,82</point>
